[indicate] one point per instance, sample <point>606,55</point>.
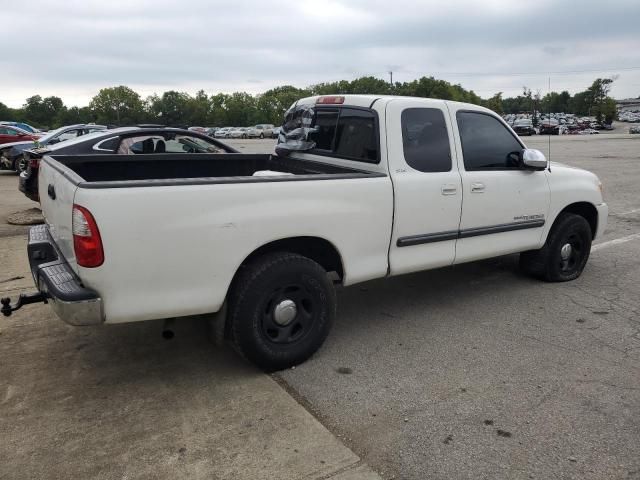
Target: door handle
<point>477,187</point>
<point>449,189</point>
<point>51,191</point>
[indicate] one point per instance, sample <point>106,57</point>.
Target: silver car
<point>263,130</point>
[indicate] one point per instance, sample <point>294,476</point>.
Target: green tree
<point>172,108</point>
<point>495,103</point>
<point>602,106</point>
<point>6,113</point>
<point>241,109</point>
<point>272,104</point>
<point>43,112</point>
<point>119,105</point>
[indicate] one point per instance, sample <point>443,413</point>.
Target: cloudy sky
<point>73,48</point>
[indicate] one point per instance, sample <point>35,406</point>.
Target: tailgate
<point>57,188</point>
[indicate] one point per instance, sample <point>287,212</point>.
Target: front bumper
<point>603,213</point>
<point>53,276</point>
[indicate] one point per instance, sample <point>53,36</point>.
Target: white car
<point>222,132</point>
<point>238,132</point>
<point>383,186</point>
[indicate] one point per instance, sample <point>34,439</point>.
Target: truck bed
<point>111,171</point>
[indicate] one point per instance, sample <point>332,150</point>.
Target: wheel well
<point>317,249</point>
<point>586,210</point>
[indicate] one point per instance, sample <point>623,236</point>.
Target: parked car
<point>211,131</point>
<point>634,129</point>
<point>263,130</point>
<point>268,236</point>
<point>23,126</point>
<point>12,155</point>
<point>10,134</point>
<point>198,129</point>
<point>275,132</point>
<point>238,132</point>
<point>550,127</point>
<point>120,141</point>
<point>222,132</point>
<point>524,127</point>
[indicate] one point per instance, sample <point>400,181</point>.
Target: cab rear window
<point>349,133</point>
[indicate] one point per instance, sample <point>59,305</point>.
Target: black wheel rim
<point>282,333</point>
<point>571,262</point>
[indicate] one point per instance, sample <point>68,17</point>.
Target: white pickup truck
<point>390,186</point>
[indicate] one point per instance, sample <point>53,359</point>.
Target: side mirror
<point>533,159</point>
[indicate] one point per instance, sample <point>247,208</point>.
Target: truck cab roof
<point>368,101</point>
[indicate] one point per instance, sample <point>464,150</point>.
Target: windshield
<point>50,135</point>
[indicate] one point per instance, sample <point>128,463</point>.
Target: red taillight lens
<point>86,238</point>
<point>330,100</point>
<point>34,162</point>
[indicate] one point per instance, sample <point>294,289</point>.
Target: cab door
<point>427,185</point>
<point>505,207</point>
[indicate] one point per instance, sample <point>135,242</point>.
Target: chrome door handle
<point>449,189</point>
<point>477,187</point>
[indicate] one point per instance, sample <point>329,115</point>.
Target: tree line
<point>123,106</point>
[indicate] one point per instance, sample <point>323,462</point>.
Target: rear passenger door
<point>427,185</point>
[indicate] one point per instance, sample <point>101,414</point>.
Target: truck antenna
<point>549,120</point>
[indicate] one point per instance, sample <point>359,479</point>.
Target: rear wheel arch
<point>321,251</point>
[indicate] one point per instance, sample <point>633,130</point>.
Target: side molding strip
<point>428,238</point>
<point>471,232</point>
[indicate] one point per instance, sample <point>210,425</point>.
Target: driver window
<point>486,143</point>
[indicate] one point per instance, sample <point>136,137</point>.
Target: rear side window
<point>348,133</point>
<point>325,124</point>
<point>486,143</point>
<point>425,140</point>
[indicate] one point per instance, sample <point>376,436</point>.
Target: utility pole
<point>391,78</point>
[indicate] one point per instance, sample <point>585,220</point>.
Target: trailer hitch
<point>24,299</point>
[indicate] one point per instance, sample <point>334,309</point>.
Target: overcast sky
<point>73,48</point>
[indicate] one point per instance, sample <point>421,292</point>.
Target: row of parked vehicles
<point>263,130</point>
<point>555,124</point>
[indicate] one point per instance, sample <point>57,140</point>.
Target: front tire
<point>564,254</point>
<point>281,309</point>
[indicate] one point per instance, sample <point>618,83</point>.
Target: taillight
<point>34,162</point>
<point>87,243</point>
<point>330,100</point>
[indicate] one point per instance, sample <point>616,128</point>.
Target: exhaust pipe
<point>167,329</point>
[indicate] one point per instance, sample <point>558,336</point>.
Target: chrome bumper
<point>53,276</point>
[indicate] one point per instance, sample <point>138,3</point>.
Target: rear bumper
<point>53,276</point>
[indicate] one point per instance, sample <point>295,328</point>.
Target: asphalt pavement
<point>477,371</point>
<point>474,371</point>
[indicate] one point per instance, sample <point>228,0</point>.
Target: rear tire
<point>281,309</point>
<point>564,254</point>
